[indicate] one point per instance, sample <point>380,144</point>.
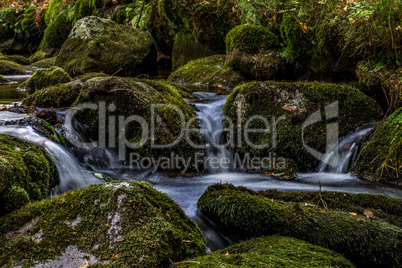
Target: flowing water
<point>79,167</point>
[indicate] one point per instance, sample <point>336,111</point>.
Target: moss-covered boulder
<point>380,206</point>
<point>209,71</point>
<point>382,82</point>
<point>16,58</point>
<point>37,56</point>
<point>381,157</point>
<point>101,45</point>
<point>139,98</point>
<point>113,224</point>
<point>46,77</point>
<point>288,107</point>
<point>360,239</point>
<point>251,50</point>
<point>27,173</point>
<point>58,96</point>
<point>10,68</point>
<point>86,77</point>
<point>3,80</point>
<point>270,251</point>
<point>44,63</point>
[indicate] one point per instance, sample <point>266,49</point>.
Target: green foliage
<point>381,157</point>
<point>251,39</point>
<point>46,77</point>
<point>270,251</point>
<point>209,71</point>
<point>27,173</point>
<point>121,223</point>
<point>364,241</point>
<point>295,101</point>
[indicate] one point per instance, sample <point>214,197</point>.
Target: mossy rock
<point>3,80</point>
<point>382,82</point>
<point>209,71</point>
<point>27,173</point>
<point>56,32</point>
<point>85,77</point>
<point>10,68</point>
<point>58,96</point>
<point>384,207</point>
<point>296,102</point>
<point>46,77</point>
<point>136,98</point>
<point>381,157</point>
<point>270,251</point>
<point>37,56</point>
<point>113,224</point>
<point>45,63</point>
<point>358,238</point>
<point>251,39</point>
<point>101,45</point>
<point>16,58</point>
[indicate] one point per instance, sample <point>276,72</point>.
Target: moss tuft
<point>118,224</point>
<point>46,77</point>
<point>364,241</point>
<point>270,251</point>
<point>26,167</point>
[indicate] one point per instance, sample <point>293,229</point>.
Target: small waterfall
<point>347,150</point>
<point>210,113</point>
<point>72,174</point>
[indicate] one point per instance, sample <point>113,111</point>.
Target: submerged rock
<point>360,239</point>
<point>294,119</point>
<point>10,68</point>
<point>381,157</point>
<point>116,224</point>
<point>210,71</point>
<point>270,251</point>
<point>251,50</point>
<point>101,45</point>
<point>46,77</point>
<point>27,173</point>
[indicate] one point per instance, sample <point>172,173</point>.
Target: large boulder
<point>209,71</point>
<point>270,251</point>
<point>10,68</point>
<point>364,241</point>
<point>381,157</point>
<point>27,173</point>
<point>46,77</point>
<point>113,224</point>
<point>97,44</point>
<point>251,50</point>
<point>289,136</point>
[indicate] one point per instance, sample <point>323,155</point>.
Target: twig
<point>139,17</point>
<point>322,199</point>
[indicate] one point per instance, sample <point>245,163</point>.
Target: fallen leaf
<point>352,213</point>
<point>303,26</point>
<point>227,253</point>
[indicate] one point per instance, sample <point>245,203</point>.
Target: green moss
<point>251,39</point>
<point>295,101</point>
<point>16,58</point>
<point>381,157</point>
<point>270,251</point>
<point>362,240</point>
<point>98,44</point>
<point>37,56</point>
<point>56,32</point>
<point>45,63</point>
<point>26,167</point>
<point>46,77</point>
<point>387,208</point>
<point>120,223</point>
<point>132,97</point>
<point>59,96</point>
<point>85,8</point>
<point>9,67</point>
<point>208,71</point>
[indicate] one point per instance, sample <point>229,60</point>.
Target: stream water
<point>81,167</point>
